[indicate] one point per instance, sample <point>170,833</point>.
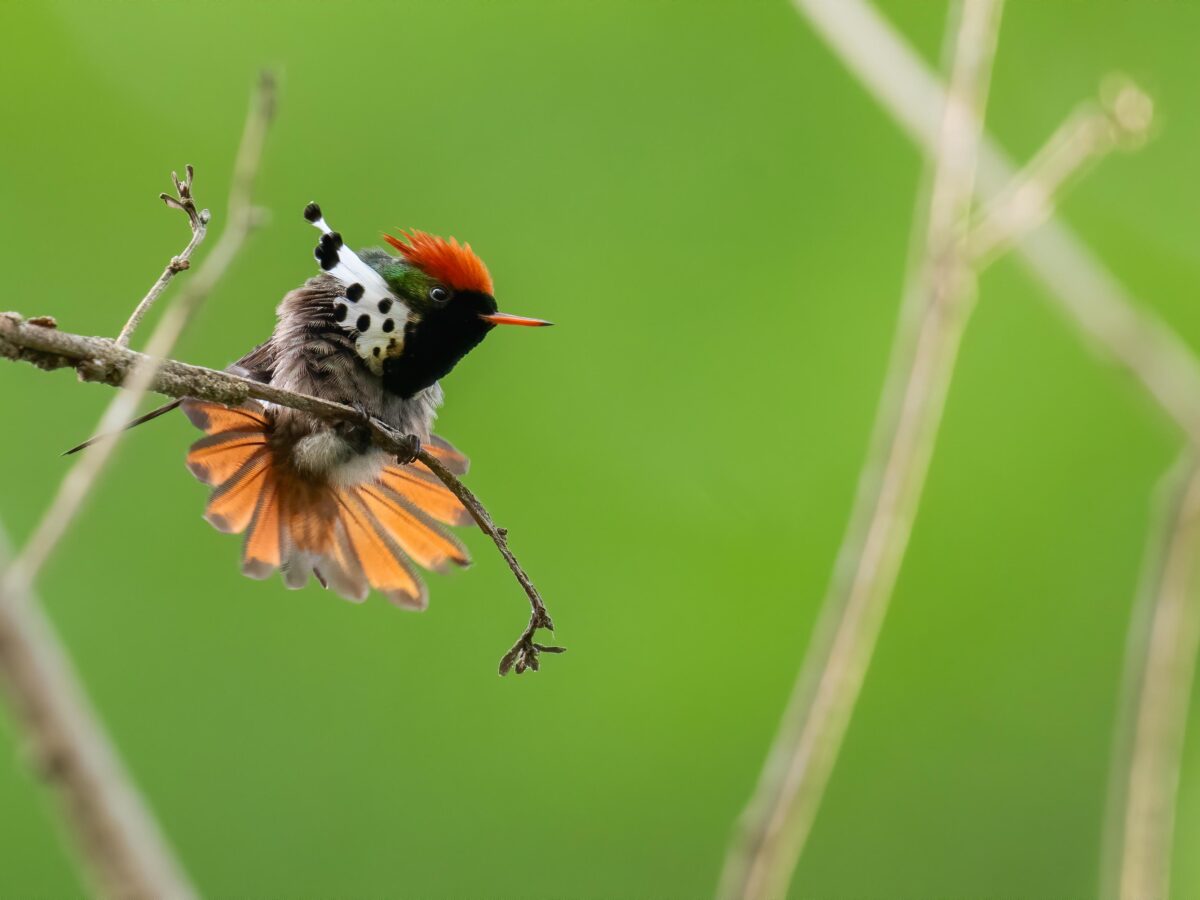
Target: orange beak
<point>506,319</point>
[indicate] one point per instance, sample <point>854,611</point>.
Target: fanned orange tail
<point>354,539</point>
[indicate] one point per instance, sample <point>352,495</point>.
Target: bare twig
<point>198,220</point>
<point>126,854</point>
<point>1157,683</point>
<point>777,821</point>
<point>1081,141</point>
<point>79,481</point>
<point>102,360</point>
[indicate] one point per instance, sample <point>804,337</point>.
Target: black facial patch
<point>384,305</point>
<point>339,312</point>
<point>433,346</point>
<point>354,292</point>
<point>374,351</point>
<point>312,212</point>
<point>363,323</point>
<point>388,324</point>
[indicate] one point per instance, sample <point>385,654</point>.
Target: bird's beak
<point>506,319</point>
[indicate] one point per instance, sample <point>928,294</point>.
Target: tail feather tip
<point>405,600</point>
<point>257,569</point>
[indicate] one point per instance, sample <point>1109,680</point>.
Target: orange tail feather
<point>353,539</point>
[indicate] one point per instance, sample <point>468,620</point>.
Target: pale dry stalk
<point>123,850</point>
<point>77,485</point>
<point>1093,300</point>
<point>1107,315</point>
<point>1086,136</point>
<point>121,845</point>
<point>1159,673</point>
<point>780,815</point>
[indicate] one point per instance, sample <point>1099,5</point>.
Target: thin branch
<point>1160,668</point>
<point>779,817</point>
<point>38,341</point>
<point>125,852</point>
<point>78,483</point>
<point>198,220</point>
<point>524,653</point>
<point>1089,134</point>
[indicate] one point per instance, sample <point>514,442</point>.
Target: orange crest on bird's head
<point>450,262</point>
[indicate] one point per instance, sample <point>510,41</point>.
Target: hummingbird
<point>378,332</point>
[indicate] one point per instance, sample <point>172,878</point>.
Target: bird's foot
<point>410,447</point>
<point>360,433</point>
<point>357,432</point>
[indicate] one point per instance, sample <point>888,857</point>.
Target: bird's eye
<point>438,294</point>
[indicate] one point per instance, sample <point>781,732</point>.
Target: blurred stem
<point>1091,298</point>
<point>1088,134</point>
<point>121,843</point>
<point>778,820</point>
<point>78,483</point>
<point>1105,313</point>
<point>125,852</point>
<point>1159,670</point>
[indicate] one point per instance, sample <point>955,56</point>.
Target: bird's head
<point>451,308</point>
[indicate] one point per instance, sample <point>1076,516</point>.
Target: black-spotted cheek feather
<point>352,538</point>
<point>367,309</point>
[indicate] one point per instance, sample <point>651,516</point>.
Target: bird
<point>377,332</point>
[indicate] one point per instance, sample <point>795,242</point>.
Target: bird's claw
<point>409,449</point>
<point>361,431</point>
<point>357,431</point>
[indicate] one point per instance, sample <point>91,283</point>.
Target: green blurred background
<point>717,216</point>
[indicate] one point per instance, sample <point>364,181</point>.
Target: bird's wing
<point>258,364</point>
